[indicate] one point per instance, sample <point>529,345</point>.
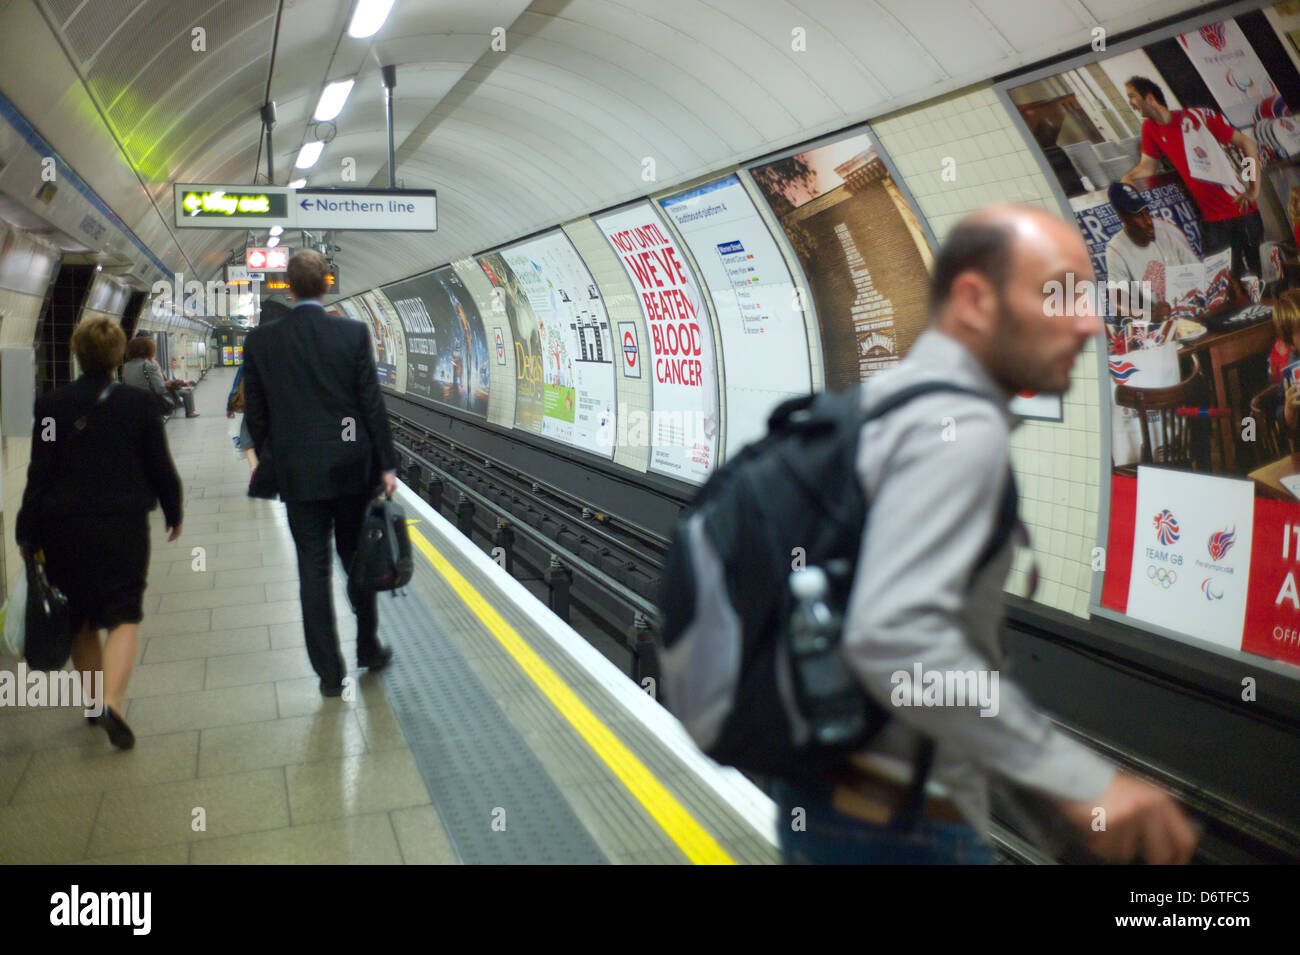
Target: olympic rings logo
<point>1161,576</point>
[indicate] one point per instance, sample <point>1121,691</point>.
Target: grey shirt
<point>934,471</point>
<point>144,373</point>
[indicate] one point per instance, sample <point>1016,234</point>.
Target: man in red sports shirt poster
<point>1191,139</point>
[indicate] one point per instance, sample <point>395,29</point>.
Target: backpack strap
<point>80,423</point>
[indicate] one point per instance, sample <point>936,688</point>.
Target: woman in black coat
<point>100,464</point>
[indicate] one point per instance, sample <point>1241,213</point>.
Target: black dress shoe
<point>327,690</point>
<point>119,733</point>
<point>378,661</point>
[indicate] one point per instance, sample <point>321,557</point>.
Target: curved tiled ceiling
<point>557,125</point>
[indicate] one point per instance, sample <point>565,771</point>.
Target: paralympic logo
<point>1219,544</point>
<point>1240,84</point>
<point>1207,588</point>
<point>1166,526</point>
<point>1161,576</point>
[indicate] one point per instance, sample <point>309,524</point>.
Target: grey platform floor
<point>452,755</point>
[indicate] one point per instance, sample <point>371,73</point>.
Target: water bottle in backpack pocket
<point>756,584</point>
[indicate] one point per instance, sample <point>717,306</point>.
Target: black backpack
<point>383,558</point>
<point>726,606</point>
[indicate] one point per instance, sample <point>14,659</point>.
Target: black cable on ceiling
<point>270,73</point>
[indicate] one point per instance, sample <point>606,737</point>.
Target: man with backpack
<point>882,674</point>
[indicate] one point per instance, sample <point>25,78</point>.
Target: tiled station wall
<point>1057,465</point>
<point>18,316</point>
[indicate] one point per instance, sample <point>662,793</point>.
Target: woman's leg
<point>251,456</point>
<point>119,660</point>
<point>87,655</point>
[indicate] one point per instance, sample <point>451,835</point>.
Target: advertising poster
<point>1186,337</point>
<point>446,346</point>
<point>573,328</point>
<point>1229,66</point>
<point>510,298</point>
<point>385,334</point>
<point>1191,554</point>
<point>861,248</point>
<point>764,339</point>
<point>684,386</point>
<point>27,264</point>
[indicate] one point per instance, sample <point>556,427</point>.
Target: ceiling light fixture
<point>332,100</point>
<point>276,229</point>
<point>272,242</point>
<point>308,155</point>
<point>297,183</point>
<point>369,17</point>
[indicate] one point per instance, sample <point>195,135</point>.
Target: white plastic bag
<point>15,618</point>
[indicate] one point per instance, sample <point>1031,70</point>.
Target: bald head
<point>991,288</point>
<point>988,242</point>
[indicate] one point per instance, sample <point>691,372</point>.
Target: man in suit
<point>311,396</point>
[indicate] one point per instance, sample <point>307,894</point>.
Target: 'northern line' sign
<point>203,206</point>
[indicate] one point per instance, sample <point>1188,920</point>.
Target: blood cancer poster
<point>764,338</point>
<point>684,386</point>
<point>573,331</point>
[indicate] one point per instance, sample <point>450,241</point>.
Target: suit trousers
<point>310,522</point>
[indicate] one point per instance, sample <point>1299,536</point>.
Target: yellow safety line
<point>700,847</point>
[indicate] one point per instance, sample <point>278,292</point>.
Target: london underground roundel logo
<point>256,259</point>
<point>629,349</point>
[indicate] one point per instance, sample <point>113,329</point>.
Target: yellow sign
<point>223,203</point>
<point>279,283</point>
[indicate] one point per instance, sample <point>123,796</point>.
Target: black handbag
<point>48,621</point>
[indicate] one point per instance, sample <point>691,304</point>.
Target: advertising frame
<point>559,236</point>
<point>715,364</point>
<point>1212,659</point>
<point>743,182</point>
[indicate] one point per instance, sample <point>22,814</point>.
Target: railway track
<point>609,569</point>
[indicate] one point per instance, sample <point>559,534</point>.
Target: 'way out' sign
<point>200,206</point>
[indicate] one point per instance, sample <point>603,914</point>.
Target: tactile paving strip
<point>495,799</point>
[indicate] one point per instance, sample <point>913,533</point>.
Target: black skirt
<point>100,564</point>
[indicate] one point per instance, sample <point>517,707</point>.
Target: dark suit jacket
<point>312,393</point>
<point>118,463</point>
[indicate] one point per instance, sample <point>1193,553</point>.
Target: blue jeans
<point>832,838</point>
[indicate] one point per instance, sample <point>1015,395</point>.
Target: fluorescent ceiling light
<point>369,17</point>
<point>276,229</point>
<point>308,155</point>
<point>332,100</point>
<point>272,242</point>
<point>297,183</point>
